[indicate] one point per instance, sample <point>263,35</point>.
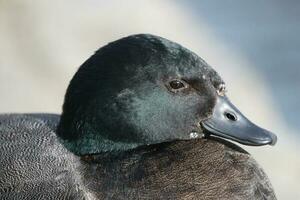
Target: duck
<point>142,118</point>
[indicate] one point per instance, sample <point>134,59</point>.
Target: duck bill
<point>228,122</point>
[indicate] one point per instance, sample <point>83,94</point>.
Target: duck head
<point>144,89</point>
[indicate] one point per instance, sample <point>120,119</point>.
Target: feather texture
<point>34,164</point>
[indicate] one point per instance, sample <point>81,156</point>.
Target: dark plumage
<point>127,131</point>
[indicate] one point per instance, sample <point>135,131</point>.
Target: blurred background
<point>254,45</point>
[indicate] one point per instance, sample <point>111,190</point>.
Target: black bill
<point>228,122</point>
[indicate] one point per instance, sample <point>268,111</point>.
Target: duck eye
<point>176,84</point>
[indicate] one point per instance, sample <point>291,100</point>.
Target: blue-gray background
<point>254,45</point>
<point>267,33</point>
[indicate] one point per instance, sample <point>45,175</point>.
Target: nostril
<point>230,116</point>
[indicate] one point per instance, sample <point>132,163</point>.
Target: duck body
<point>35,165</point>
<point>194,169</point>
